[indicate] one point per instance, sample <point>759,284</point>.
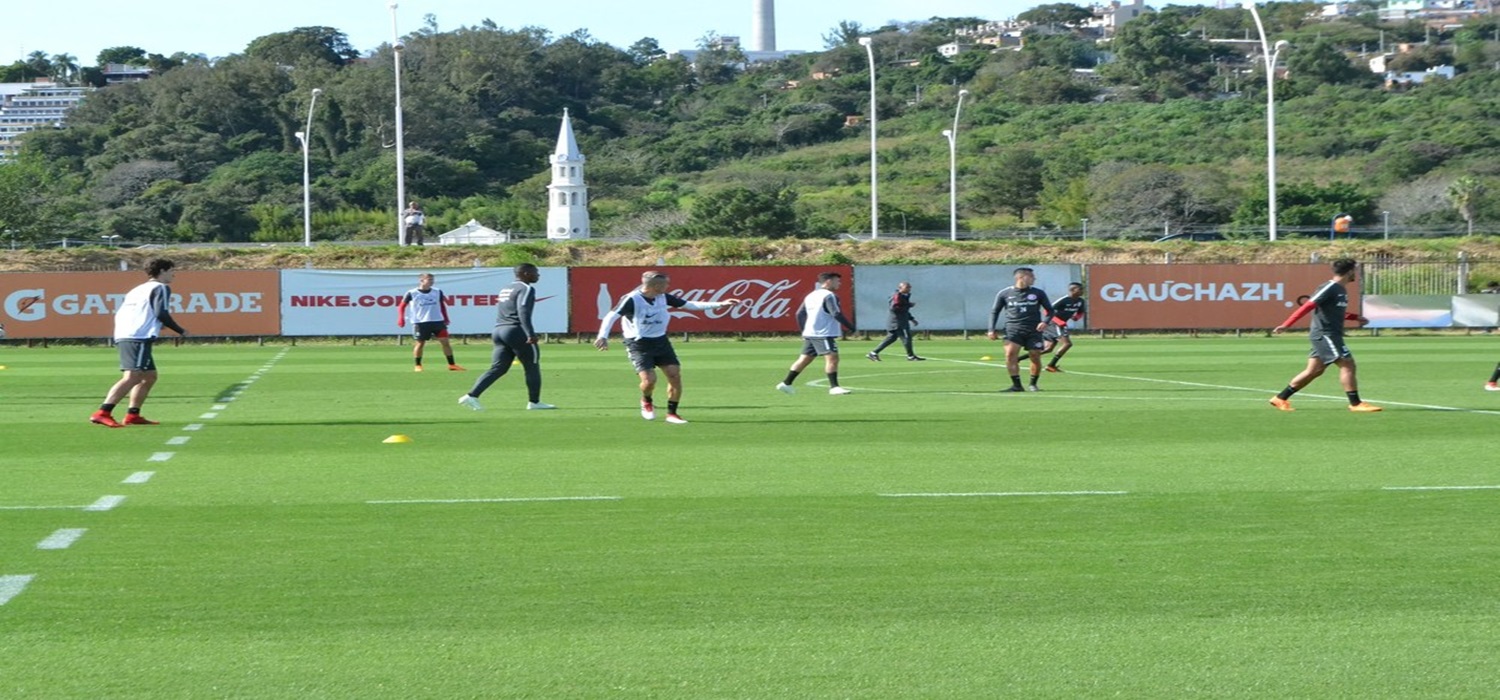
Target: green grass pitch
<point>1189,541</point>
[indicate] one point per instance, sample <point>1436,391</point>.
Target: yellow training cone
<point>396,439</point>
<point>986,358</point>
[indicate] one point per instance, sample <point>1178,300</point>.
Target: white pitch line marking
<point>1440,488</point>
<point>138,478</point>
<point>193,426</point>
<point>209,416</point>
<point>43,507</point>
<point>498,500</point>
<point>219,407</point>
<point>105,503</point>
<point>11,586</point>
<point>62,539</point>
<point>160,456</point>
<point>1002,494</point>
<point>179,440</point>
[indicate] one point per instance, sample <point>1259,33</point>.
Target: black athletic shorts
<point>647,354</point>
<point>1329,349</point>
<point>1030,340</point>
<point>819,346</point>
<point>427,330</point>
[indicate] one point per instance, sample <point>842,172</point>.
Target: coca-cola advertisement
<point>770,295</point>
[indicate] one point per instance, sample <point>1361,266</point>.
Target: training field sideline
<point>1145,526</point>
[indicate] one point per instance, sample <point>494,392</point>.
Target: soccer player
<point>898,324</point>
<point>1023,306</point>
<point>138,322</point>
<point>820,318</point>
<point>1328,307</point>
<point>1494,383</point>
<point>1057,336</point>
<point>514,338</point>
<point>644,314</point>
<point>427,308</point>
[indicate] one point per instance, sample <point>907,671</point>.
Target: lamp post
<point>1386,216</point>
<point>305,137</point>
<point>396,49</point>
<point>952,135</point>
<point>874,192</point>
<point>1270,55</point>
<point>1085,229</point>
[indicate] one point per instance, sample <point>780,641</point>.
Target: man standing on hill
<point>820,318</point>
<point>427,308</point>
<point>1022,305</point>
<point>1329,307</point>
<point>415,222</point>
<point>644,315</point>
<point>138,322</point>
<point>898,324</point>
<point>1063,310</point>
<point>515,339</point>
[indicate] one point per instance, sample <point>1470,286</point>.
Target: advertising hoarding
<point>364,302</point>
<point>771,295</point>
<point>83,304</point>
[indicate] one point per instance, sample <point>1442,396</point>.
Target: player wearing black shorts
<point>1066,309</point>
<point>1329,307</point>
<point>644,314</point>
<point>138,321</point>
<point>427,308</point>
<point>1027,313</point>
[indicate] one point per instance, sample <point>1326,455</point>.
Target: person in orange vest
<point>1341,224</point>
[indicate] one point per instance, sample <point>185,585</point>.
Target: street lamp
<point>305,137</point>
<point>1085,229</point>
<point>1387,217</point>
<point>1270,56</point>
<point>953,168</point>
<point>396,49</point>
<point>874,193</point>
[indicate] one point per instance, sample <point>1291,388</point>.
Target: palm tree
<point>1465,193</point>
<point>38,65</point>
<point>64,67</point>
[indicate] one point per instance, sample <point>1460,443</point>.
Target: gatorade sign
<point>83,304</point>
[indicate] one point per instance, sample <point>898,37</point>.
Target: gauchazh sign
<point>1123,297</point>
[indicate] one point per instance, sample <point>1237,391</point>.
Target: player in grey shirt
<point>515,339</point>
<point>1027,313</point>
<point>1329,307</point>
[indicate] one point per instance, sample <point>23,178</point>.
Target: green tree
<point>125,55</point>
<point>1010,181</point>
<point>1065,14</point>
<point>767,212</point>
<point>302,45</point>
<point>1465,193</point>
<point>846,33</point>
<point>1158,54</point>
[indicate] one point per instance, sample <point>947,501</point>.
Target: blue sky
<point>84,27</point>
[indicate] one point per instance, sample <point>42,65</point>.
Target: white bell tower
<point>567,196</point>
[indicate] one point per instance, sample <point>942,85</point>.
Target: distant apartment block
<point>117,73</point>
<point>25,107</point>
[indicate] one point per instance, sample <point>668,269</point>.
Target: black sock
<point>647,398</point>
<point>1286,393</point>
<point>450,360</point>
<point>1496,376</point>
<point>1033,379</point>
<point>833,379</point>
<point>1015,380</point>
<point>671,406</point>
<point>1053,363</point>
<point>133,410</point>
<point>791,376</point>
<point>1353,397</point>
<point>106,407</point>
<point>418,360</point>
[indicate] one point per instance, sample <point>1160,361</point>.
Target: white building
<point>473,233</point>
<point>28,106</point>
<point>567,196</point>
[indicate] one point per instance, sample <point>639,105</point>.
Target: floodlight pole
<point>1270,57</point>
<point>396,49</point>
<point>305,136</point>
<point>874,192</point>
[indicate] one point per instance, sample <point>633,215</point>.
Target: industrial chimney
<point>763,26</point>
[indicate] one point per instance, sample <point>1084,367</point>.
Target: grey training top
<point>514,305</point>
<point>1022,308</point>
